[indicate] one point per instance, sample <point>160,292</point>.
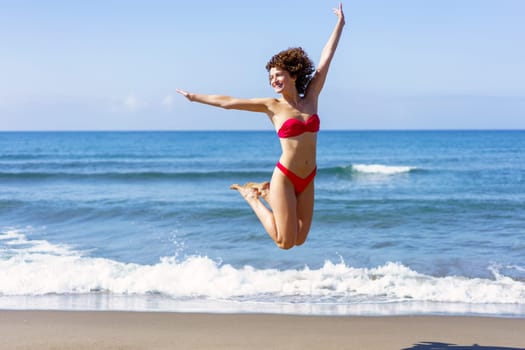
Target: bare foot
<point>248,192</point>
<point>263,188</point>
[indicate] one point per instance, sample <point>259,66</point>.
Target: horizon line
<point>254,130</point>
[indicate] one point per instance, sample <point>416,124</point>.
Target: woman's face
<point>280,80</point>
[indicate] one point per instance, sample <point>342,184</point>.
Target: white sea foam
<point>381,169</point>
<point>39,268</point>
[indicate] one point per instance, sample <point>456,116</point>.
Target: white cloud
<point>128,104</point>
<point>135,104</point>
<point>131,103</point>
<point>168,101</point>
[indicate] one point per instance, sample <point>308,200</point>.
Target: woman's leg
<point>265,216</point>
<point>282,200</point>
<point>305,211</point>
<point>281,221</point>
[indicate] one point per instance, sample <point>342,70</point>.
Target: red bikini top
<point>295,127</point>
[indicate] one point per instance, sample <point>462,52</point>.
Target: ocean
<point>405,222</point>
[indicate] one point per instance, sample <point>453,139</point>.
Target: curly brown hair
<point>297,63</point>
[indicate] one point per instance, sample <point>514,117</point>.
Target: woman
<point>294,116</point>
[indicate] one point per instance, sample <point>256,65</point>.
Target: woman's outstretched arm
<point>228,102</point>
<point>316,85</point>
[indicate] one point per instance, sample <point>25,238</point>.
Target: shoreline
<point>101,302</point>
<point>172,330</point>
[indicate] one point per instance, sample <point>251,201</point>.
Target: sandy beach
<point>141,330</point>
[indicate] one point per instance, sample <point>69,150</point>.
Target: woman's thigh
<point>284,207</point>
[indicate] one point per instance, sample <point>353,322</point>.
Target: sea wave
<point>145,174</point>
<point>381,169</point>
<point>370,169</point>
<point>39,268</point>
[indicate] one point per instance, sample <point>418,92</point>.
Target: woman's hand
<point>184,93</point>
<point>339,12</point>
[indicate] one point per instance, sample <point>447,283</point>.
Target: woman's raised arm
<point>316,84</point>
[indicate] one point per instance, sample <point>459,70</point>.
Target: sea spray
<point>39,268</point>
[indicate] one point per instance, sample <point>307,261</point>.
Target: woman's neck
<point>293,99</point>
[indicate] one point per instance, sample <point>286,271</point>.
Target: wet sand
<point>145,330</point>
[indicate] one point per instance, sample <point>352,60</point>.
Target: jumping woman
<point>290,193</point>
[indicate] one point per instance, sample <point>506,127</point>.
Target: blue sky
<point>115,65</point>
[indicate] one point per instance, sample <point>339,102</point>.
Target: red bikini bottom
<point>298,183</point>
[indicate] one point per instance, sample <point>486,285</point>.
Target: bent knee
<point>289,244</point>
<point>301,238</point>
<point>300,241</point>
<point>285,244</point>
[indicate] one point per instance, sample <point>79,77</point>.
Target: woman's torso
<point>298,152</point>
